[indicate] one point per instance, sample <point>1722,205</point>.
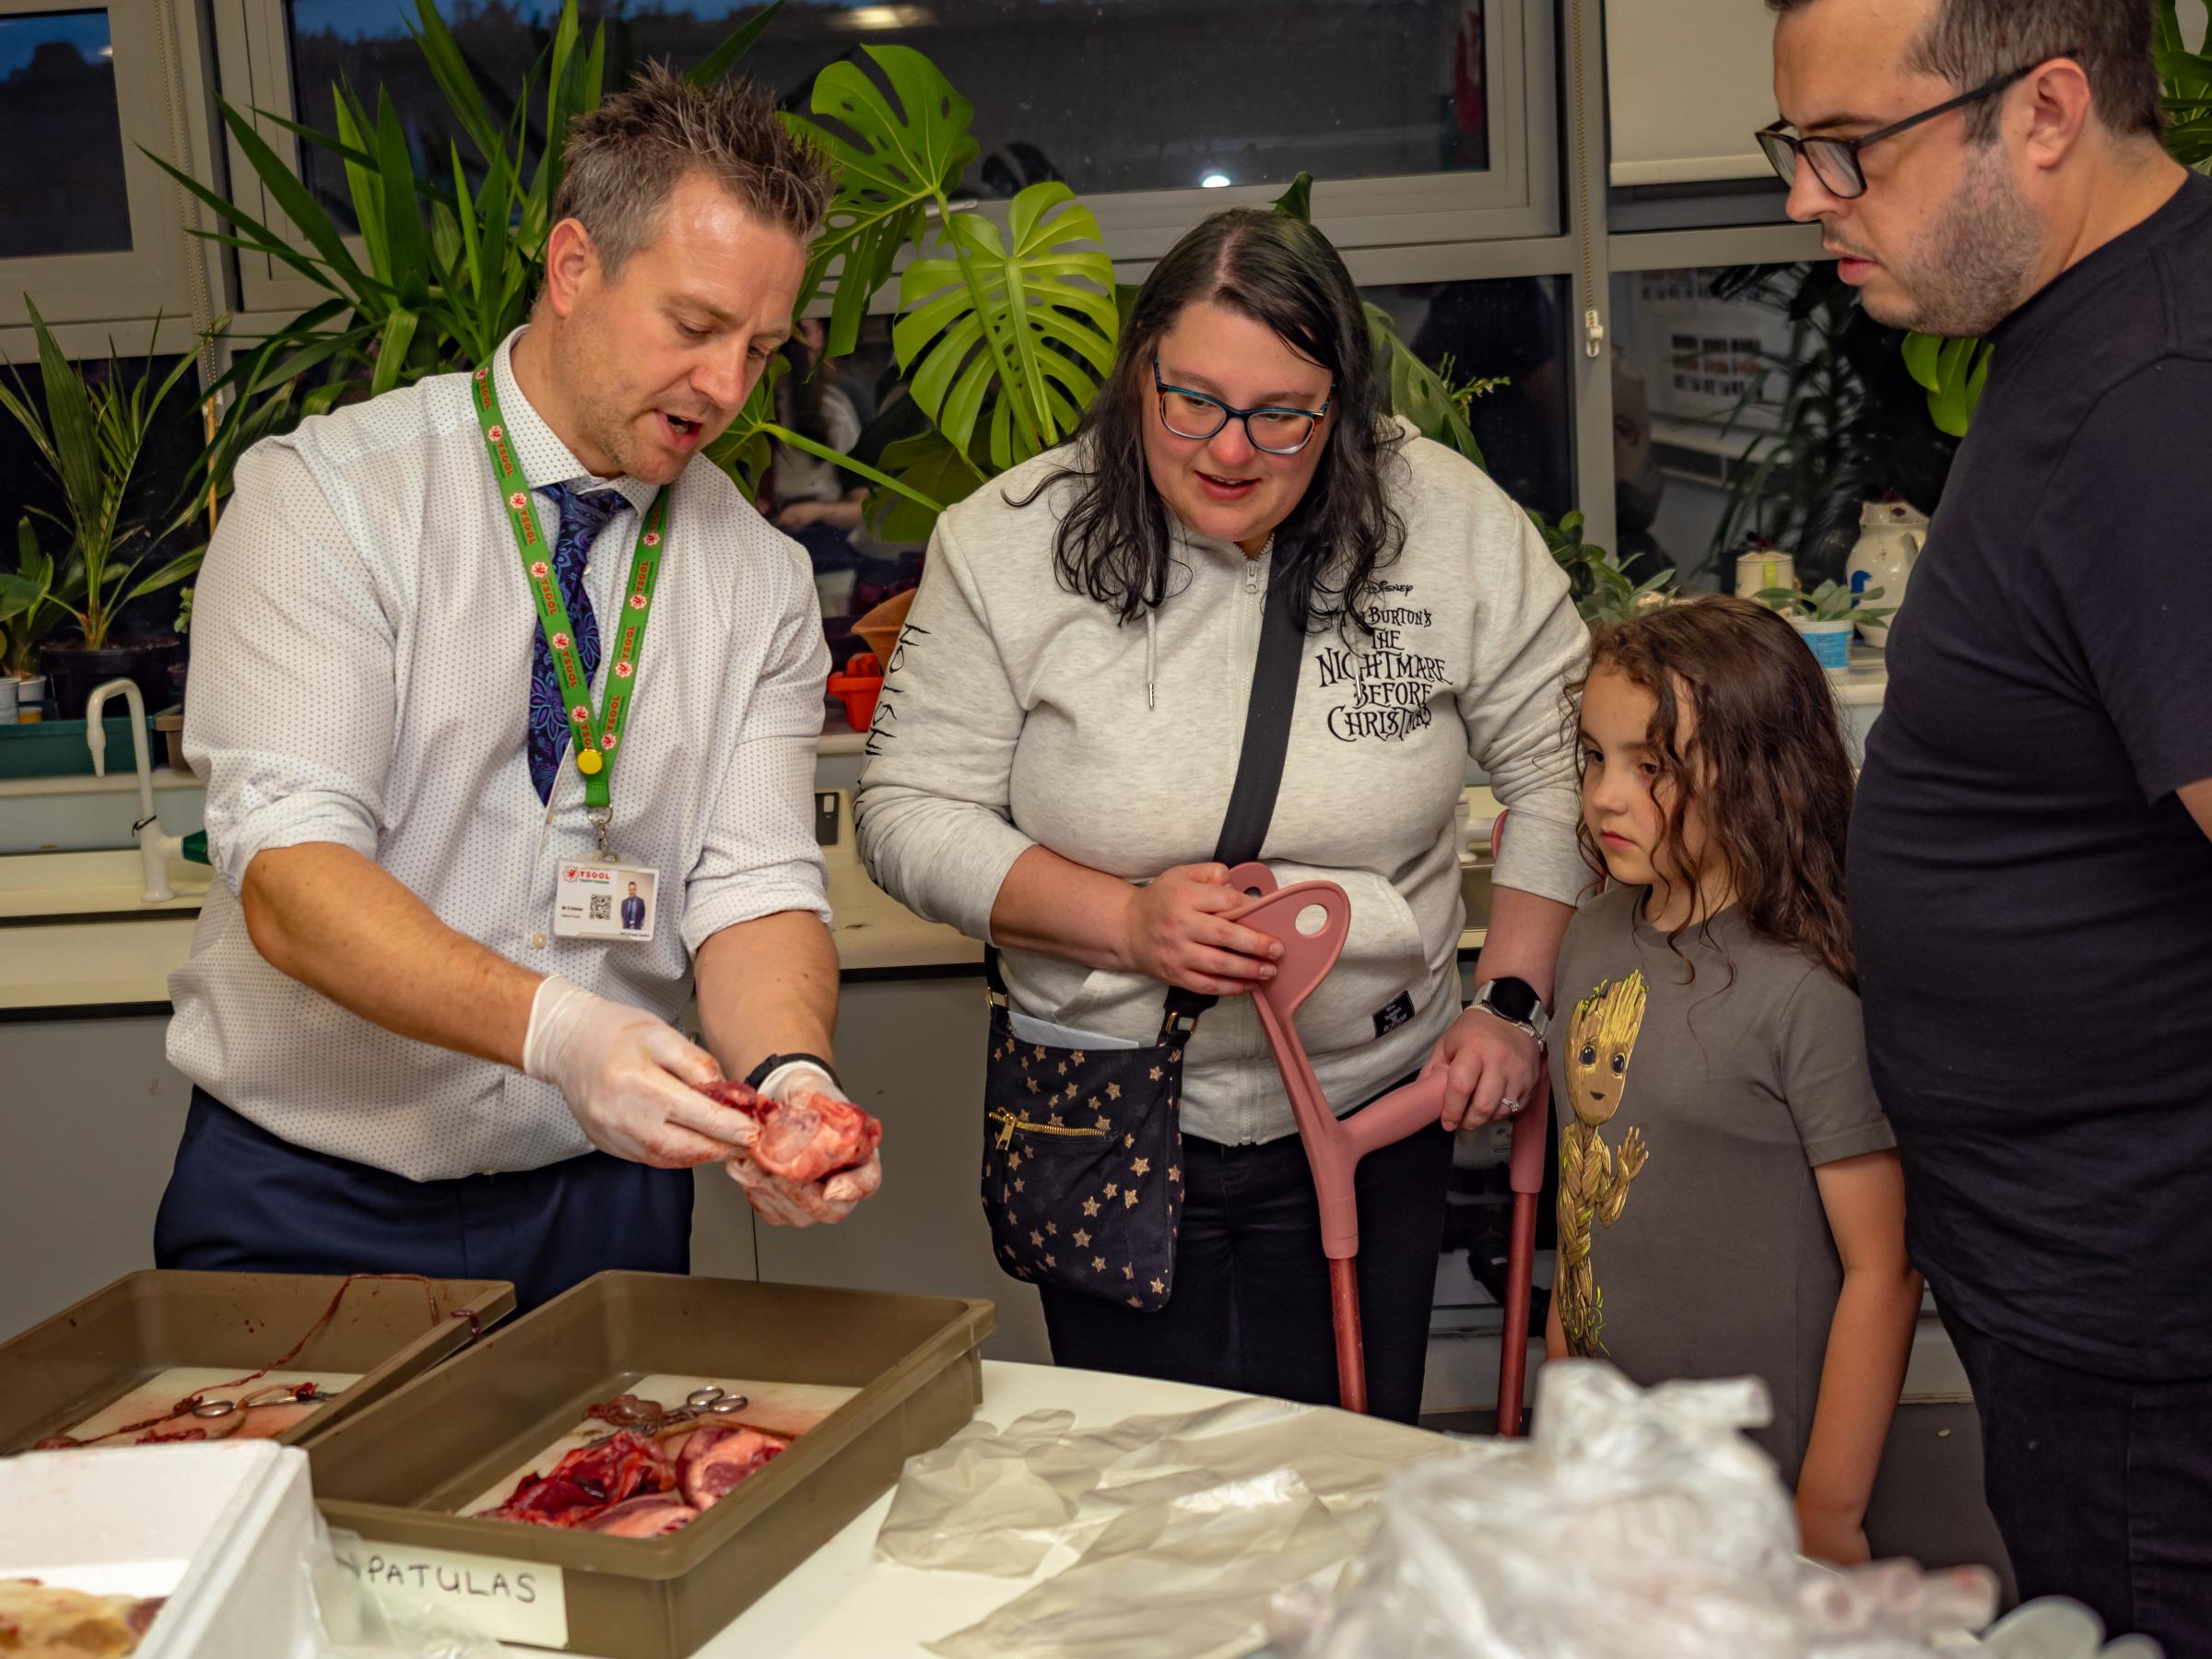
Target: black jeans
<point>2102,1488</point>
<point>1251,1307</point>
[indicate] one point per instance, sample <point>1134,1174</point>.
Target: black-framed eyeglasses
<point>1835,162</point>
<point>1271,428</point>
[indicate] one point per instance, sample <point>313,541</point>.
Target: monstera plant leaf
<point>904,156</point>
<point>747,449</point>
<point>927,464</point>
<point>1018,328</point>
<point>1953,373</point>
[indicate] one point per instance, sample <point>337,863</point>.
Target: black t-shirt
<point>2034,904</point>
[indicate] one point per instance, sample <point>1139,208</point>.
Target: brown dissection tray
<point>384,1332</point>
<point>395,1473</point>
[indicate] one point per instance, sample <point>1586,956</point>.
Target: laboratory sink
<point>92,884</point>
<point>82,965</point>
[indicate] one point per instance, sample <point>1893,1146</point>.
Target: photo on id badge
<point>605,901</point>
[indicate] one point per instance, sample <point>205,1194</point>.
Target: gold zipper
<point>1010,1122</point>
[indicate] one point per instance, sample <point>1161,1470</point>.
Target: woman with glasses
<point>1057,741</point>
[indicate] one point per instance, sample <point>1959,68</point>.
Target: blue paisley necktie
<point>581,518</point>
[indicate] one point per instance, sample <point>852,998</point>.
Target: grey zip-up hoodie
<point>1016,713</point>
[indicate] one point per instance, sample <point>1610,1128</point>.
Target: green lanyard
<point>594,744</point>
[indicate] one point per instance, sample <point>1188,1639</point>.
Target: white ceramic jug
<point>1890,535</point>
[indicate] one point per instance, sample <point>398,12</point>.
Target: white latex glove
<point>784,1203</point>
<point>629,1078</point>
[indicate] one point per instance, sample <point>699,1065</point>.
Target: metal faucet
<point>155,849</point>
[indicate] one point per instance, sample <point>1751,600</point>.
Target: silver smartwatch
<point>1515,1002</point>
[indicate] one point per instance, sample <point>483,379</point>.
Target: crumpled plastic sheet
<point>355,1622</point>
<point>1641,1524</point>
<point>1170,1533</point>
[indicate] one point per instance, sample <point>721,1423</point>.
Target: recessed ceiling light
<point>1214,181</point>
<point>883,16</point>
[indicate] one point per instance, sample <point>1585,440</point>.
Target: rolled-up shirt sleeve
<point>760,856</point>
<point>1530,641</point>
<point>934,817</point>
<point>291,707</point>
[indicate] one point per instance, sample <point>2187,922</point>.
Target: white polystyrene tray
<point>223,1531</point>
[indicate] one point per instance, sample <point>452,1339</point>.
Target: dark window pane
<point>1110,95</point>
<point>1511,329</point>
<point>62,138</point>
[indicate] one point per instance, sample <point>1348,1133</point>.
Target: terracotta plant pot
<point>73,669</point>
<point>880,627</point>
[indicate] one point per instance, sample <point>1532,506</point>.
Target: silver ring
<point>1510,1106</point>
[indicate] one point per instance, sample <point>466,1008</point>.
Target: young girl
<point>1730,1202</point>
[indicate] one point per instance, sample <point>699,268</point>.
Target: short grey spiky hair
<point>1970,41</point>
<point>623,161</point>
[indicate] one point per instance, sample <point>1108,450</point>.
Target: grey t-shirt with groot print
<point>1697,1090</point>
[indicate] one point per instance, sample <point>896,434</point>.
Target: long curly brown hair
<point>1765,765</point>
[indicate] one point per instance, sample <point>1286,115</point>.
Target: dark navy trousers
<point>242,1200</point>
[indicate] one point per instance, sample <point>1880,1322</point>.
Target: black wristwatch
<point>1515,1002</point>
<point>762,1072</point>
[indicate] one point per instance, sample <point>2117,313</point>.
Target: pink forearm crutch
<point>1334,1145</point>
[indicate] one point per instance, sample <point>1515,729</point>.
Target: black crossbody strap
<point>1259,769</point>
<point>1260,763</point>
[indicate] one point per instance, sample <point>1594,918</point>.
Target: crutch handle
<point>1334,1145</point>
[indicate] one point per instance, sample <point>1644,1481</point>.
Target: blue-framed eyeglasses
<point>1273,429</point>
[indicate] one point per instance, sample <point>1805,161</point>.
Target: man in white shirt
<point>422,1043</point>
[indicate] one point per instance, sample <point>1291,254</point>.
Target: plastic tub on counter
<point>224,1532</point>
<point>397,1473</point>
<point>210,1327</point>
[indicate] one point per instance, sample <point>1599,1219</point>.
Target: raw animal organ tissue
<point>655,1474</point>
<point>807,1137</point>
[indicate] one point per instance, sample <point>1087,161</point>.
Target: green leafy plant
<point>1830,602</point>
<point>449,270</point>
<point>1602,588</point>
<point>1002,337</point>
<point>1954,371</point>
<point>26,617</point>
<point>90,438</point>
<point>1426,396</point>
<point>1848,424</point>
<point>451,266</point>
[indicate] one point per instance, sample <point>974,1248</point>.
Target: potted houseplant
<point>26,619</point>
<point>1603,589</point>
<point>1825,618</point>
<point>90,437</point>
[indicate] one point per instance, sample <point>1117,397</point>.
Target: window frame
<point>1517,197</point>
<point>164,272</point>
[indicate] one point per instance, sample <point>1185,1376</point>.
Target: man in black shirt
<point>2031,873</point>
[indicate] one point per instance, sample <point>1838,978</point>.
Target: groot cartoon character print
<point>1594,1188</point>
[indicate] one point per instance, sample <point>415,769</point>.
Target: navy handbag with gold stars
<point>1083,1160</point>
<point>1083,1147</point>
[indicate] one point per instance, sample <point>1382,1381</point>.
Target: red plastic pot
<point>857,688</point>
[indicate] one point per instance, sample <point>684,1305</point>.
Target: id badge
<point>606,900</point>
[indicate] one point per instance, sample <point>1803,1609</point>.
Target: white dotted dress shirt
<point>360,674</point>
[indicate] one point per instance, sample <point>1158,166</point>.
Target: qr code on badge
<point>602,907</point>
